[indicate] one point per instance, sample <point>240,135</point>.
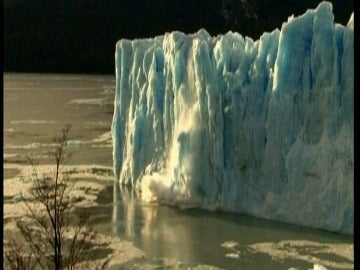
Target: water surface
<point>37,106</point>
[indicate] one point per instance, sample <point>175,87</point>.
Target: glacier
<point>261,127</point>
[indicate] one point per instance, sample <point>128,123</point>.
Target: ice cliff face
<point>263,127</point>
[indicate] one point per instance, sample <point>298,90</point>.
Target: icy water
<point>36,107</point>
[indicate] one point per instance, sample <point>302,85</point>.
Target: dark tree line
<point>76,36</point>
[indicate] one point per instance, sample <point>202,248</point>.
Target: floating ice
<point>32,122</point>
<point>230,244</point>
<point>319,267</point>
<point>232,255</point>
<point>339,255</point>
<point>87,101</point>
<point>261,127</point>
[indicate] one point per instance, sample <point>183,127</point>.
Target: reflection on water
<point>225,240</point>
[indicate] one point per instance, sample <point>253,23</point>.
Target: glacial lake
<point>36,108</point>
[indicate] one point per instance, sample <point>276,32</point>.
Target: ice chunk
<point>319,267</point>
<point>230,244</point>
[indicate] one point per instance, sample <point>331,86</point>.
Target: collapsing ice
<point>264,127</point>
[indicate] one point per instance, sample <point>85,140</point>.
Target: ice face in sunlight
<point>261,127</point>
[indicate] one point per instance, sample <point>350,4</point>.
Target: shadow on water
<point>199,236</point>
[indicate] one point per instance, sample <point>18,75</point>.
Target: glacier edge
<point>261,127</point>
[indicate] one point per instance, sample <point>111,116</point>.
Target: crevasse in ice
<point>260,127</point>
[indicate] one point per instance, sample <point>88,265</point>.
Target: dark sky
<point>79,36</point>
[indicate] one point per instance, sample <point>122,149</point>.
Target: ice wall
<point>263,127</point>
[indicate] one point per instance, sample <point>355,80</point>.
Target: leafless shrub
<point>51,243</point>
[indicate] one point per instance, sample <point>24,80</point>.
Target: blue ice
<point>261,127</point>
